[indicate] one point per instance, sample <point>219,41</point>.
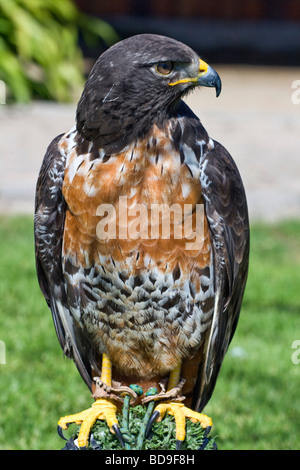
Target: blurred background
<point>47,49</point>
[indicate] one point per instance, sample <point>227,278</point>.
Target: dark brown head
<point>136,83</point>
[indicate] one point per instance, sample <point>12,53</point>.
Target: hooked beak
<point>207,76</point>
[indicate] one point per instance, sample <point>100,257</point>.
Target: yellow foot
<point>102,408</point>
<point>180,413</point>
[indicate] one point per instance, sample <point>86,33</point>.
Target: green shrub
<point>161,437</point>
<point>39,52</point>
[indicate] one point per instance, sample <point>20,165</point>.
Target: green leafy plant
<point>161,437</point>
<point>39,52</point>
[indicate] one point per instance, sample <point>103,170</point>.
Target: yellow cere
<point>203,67</point>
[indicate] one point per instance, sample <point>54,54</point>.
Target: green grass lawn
<point>256,403</point>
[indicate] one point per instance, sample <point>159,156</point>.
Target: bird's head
<point>136,83</point>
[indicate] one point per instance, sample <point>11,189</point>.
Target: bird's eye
<point>165,68</point>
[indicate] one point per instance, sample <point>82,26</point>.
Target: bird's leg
<point>103,408</point>
<point>174,377</point>
<point>106,387</point>
<point>177,409</point>
<point>106,370</point>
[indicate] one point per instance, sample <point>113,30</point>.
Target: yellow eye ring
<point>165,68</point>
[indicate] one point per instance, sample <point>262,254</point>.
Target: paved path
<point>254,118</point>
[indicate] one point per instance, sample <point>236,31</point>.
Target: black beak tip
<point>218,86</point>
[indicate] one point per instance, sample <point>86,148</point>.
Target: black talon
<point>204,443</point>
<point>151,421</point>
<point>178,444</point>
<point>118,433</point>
<point>207,431</point>
<point>60,432</point>
<point>94,443</point>
<point>70,445</point>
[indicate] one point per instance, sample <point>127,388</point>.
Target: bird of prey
<point>130,304</point>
